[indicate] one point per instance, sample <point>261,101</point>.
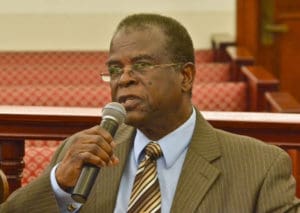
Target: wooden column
<point>11,161</point>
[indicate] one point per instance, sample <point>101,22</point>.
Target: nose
<point>127,78</point>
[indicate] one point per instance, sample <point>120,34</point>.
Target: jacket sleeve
<point>277,193</point>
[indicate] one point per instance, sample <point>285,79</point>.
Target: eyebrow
<point>107,63</point>
<point>142,56</point>
<point>134,59</point>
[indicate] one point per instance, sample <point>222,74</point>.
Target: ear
<point>188,75</point>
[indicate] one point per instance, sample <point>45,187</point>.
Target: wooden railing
<point>18,123</point>
<point>259,82</point>
<point>239,56</point>
<point>263,92</point>
<point>282,102</point>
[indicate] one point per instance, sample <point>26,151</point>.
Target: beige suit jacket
<point>222,172</point>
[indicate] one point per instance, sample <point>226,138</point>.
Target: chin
<point>135,119</point>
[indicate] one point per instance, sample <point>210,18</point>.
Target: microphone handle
<point>90,172</point>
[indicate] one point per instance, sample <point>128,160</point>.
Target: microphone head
<point>114,111</point>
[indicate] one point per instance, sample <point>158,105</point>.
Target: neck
<point>166,124</point>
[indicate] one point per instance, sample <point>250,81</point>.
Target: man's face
<point>153,94</point>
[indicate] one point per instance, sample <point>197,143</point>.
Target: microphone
<point>113,114</point>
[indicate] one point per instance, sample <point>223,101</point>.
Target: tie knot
<point>153,150</point>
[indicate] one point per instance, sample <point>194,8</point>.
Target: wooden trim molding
<point>18,123</point>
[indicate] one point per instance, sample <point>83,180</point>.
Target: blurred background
<point>89,24</point>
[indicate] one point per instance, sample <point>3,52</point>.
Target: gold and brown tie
<point>145,195</point>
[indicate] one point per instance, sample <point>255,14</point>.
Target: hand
<point>94,146</point>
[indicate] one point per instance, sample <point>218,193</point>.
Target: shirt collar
<point>172,145</point>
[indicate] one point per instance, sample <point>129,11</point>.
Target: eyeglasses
<point>115,71</point>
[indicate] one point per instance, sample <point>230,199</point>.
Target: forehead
<point>131,42</point>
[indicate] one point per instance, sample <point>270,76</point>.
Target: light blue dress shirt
<point>174,147</point>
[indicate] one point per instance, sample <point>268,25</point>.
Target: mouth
<point>130,102</point>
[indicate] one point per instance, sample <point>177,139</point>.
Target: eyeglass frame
<point>106,76</point>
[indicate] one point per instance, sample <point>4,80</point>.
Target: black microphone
<point>113,114</point>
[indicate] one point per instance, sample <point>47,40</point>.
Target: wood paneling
<point>282,56</point>
<point>247,28</point>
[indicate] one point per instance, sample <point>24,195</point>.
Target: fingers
<point>98,145</point>
<point>99,153</point>
<point>92,146</point>
<point>87,157</point>
<point>97,130</point>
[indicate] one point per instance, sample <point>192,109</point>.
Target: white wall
<point>89,24</point>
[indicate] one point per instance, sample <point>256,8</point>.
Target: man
<point>151,72</point>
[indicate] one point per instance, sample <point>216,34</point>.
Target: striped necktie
<point>145,195</point>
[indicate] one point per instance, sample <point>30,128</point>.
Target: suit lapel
<point>104,193</point>
<point>198,174</point>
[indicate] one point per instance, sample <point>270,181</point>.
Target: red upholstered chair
<point>51,68</point>
<point>37,156</point>
<point>28,59</point>
<point>56,95</point>
<point>212,72</point>
<point>226,96</point>
<point>49,75</point>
